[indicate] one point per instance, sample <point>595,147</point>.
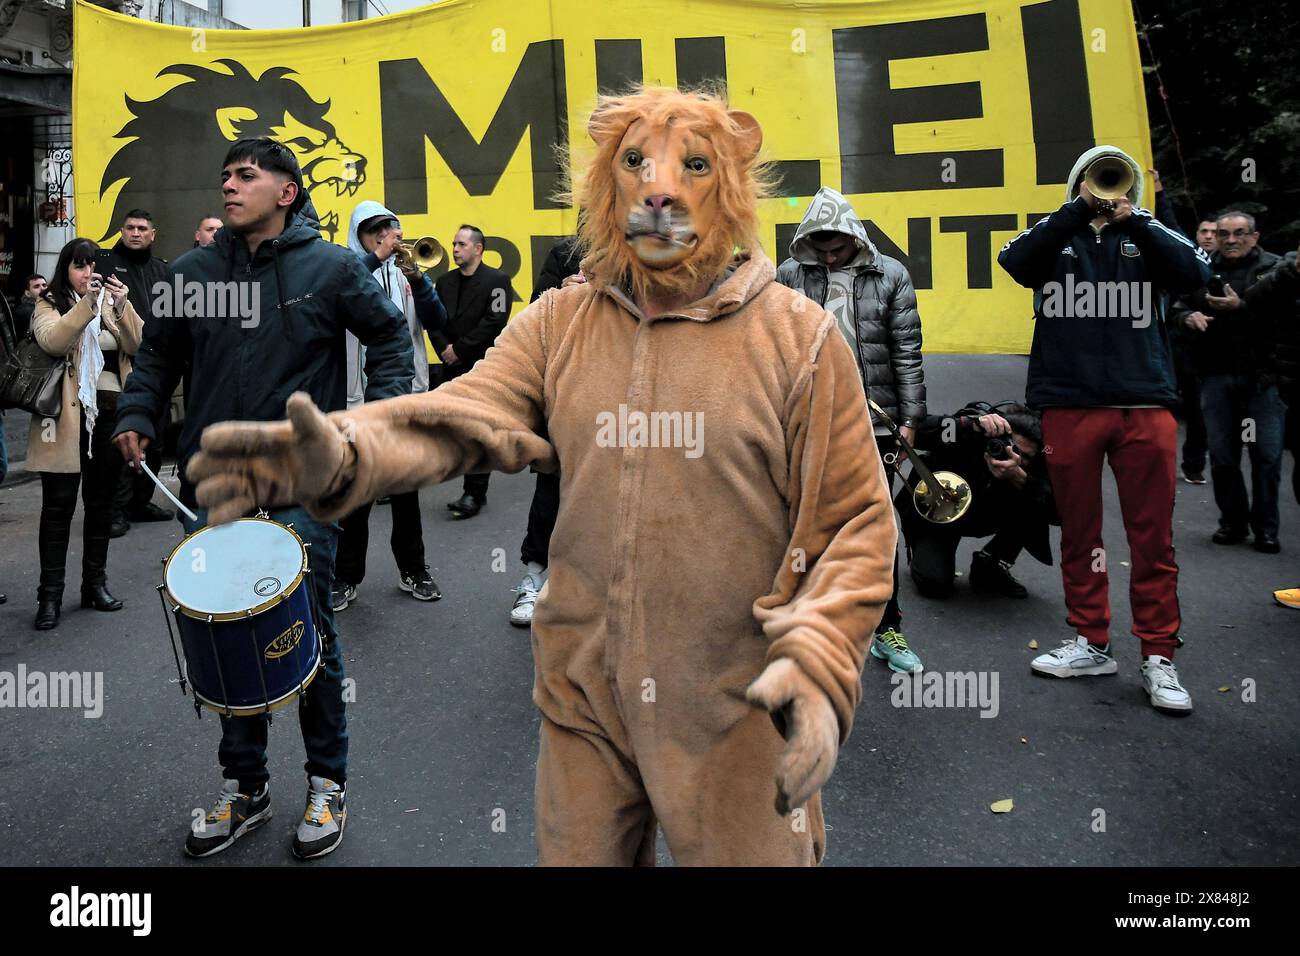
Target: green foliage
<point>1230,72</point>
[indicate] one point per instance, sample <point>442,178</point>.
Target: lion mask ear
<point>751,134</point>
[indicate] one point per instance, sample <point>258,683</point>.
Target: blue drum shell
<point>278,646</point>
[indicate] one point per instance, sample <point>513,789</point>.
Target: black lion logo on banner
<point>172,165</point>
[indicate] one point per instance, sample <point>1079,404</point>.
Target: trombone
<point>423,254</point>
<point>939,496</point>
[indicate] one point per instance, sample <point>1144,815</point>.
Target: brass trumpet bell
<point>423,254</point>
<point>939,496</point>
<point>1109,178</point>
<point>942,508</point>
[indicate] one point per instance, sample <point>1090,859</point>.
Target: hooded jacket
<point>887,327</point>
<point>281,331</point>
<point>1118,359</point>
<point>418,302</point>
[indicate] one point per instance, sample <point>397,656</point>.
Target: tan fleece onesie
<point>675,575</point>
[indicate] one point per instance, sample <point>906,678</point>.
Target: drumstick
<point>176,501</point>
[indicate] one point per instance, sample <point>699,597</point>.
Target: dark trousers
<point>893,613</point>
<point>321,714</point>
<point>541,520</point>
<point>100,465</point>
<point>1195,443</point>
<point>476,485</point>
<point>1232,403</point>
<point>1141,446</point>
<point>932,553</point>
<point>406,540</point>
<point>135,489</point>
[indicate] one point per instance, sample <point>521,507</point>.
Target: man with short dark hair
<point>305,294</point>
<point>139,269</point>
<point>33,290</point>
<point>477,298</point>
<point>206,231</point>
<point>1233,347</point>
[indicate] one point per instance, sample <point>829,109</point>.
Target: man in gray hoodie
<point>834,263</point>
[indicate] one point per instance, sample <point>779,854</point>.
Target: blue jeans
<point>321,715</point>
<point>1231,403</point>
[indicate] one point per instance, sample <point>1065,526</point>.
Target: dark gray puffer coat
<point>887,326</point>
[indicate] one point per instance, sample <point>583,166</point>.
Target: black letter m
<point>413,109</point>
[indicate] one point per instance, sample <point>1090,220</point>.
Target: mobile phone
<point>1215,286</point>
<point>104,263</point>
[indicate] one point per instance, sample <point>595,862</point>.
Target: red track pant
<point>1140,443</point>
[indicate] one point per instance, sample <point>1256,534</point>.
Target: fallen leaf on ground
<point>1224,689</point>
<point>1023,740</point>
<point>1002,806</point>
<point>1033,645</point>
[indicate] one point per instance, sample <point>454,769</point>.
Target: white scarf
<point>88,371</point>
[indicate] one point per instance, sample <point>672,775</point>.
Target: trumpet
<point>1108,178</point>
<point>939,496</point>
<point>423,254</point>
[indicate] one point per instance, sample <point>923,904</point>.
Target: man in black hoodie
<point>302,295</point>
<point>1101,369</point>
<point>139,269</point>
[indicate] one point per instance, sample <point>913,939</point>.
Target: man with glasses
<point>1232,346</point>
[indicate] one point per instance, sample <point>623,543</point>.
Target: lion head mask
<point>671,193</point>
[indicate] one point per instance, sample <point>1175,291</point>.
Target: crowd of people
<point>1221,353</point>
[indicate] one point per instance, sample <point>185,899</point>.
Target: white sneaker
<point>1075,658</point>
<point>1161,681</point>
<point>521,615</point>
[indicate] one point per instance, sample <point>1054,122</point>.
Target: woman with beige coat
<point>87,319</point>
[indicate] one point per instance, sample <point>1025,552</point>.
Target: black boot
<point>466,506</point>
<point>97,596</point>
<point>988,573</point>
<point>94,564</point>
<point>47,613</point>
<point>52,543</point>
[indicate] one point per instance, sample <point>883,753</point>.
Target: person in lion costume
<point>691,593</point>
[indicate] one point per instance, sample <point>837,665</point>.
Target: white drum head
<point>234,568</point>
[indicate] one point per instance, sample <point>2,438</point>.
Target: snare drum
<point>242,597</point>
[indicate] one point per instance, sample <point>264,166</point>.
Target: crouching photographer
<point>998,451</point>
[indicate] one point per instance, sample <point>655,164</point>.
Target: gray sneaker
<point>321,829</point>
<point>233,815</point>
<point>1075,658</point>
<point>1161,682</point>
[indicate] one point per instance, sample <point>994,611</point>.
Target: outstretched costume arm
<point>831,590</point>
<point>487,419</point>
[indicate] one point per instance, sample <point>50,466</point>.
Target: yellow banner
<point>949,124</point>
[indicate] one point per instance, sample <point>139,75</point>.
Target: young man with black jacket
<point>305,294</point>
<point>139,269</point>
<point>1101,369</point>
<point>477,298</point>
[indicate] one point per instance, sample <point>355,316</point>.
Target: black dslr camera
<point>1001,448</point>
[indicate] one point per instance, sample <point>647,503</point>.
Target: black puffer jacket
<point>143,269</point>
<point>887,327</point>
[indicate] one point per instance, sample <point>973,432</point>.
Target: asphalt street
<point>444,734</point>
